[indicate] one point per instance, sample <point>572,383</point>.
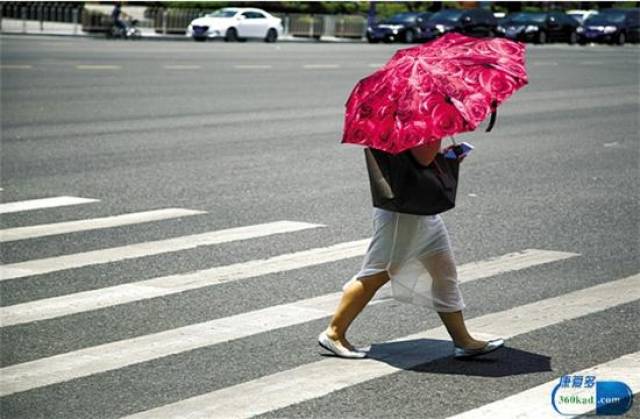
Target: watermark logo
<point>580,394</point>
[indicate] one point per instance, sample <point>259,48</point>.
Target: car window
<point>451,15</point>
<point>257,15</point>
<point>529,17</point>
<point>223,13</point>
<point>605,17</point>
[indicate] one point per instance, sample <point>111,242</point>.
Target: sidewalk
<point>34,27</point>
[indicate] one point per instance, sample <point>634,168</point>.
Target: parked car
<point>236,24</point>
<point>612,26</point>
<point>475,22</point>
<point>581,15</point>
<point>406,27</point>
<point>542,27</point>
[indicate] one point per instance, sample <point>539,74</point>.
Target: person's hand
<point>460,158</point>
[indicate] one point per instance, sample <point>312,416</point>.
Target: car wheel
<point>272,35</point>
<point>573,38</point>
<point>491,33</point>
<point>231,35</point>
<point>199,39</point>
<point>409,36</point>
<point>622,38</point>
<point>541,38</point>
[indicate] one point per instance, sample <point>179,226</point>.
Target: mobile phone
<point>458,151</point>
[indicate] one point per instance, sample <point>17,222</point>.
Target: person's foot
<point>476,347</point>
<point>342,340</point>
<point>472,344</point>
<point>335,345</point>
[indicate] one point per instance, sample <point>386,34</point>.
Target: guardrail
<point>175,21</point>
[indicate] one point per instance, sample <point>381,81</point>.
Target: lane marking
<point>321,66</point>
<point>591,62</point>
<point>375,65</point>
<point>167,285</point>
<point>34,204</point>
<point>15,66</point>
<point>313,380</point>
<point>43,230</point>
<point>535,403</point>
<point>114,355</point>
<point>114,254</point>
<point>98,67</point>
<point>543,63</point>
<point>64,305</point>
<point>252,66</point>
<point>182,67</point>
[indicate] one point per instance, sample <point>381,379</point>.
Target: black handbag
<point>402,184</point>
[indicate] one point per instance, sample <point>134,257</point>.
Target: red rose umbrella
<point>434,90</point>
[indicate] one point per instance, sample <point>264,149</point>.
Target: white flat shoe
<point>491,346</point>
<point>329,344</point>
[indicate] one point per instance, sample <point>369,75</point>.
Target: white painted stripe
<point>545,63</point>
<point>42,230</point>
<point>34,204</point>
<point>375,65</point>
<point>98,67</point>
<point>120,354</point>
<point>250,66</point>
<point>121,294</point>
<point>182,67</point>
<point>320,66</point>
<point>97,257</point>
<point>315,380</point>
<point>64,305</point>
<point>15,66</point>
<point>591,62</point>
<point>536,402</point>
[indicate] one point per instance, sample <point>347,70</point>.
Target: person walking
<point>414,252</point>
<point>400,113</point>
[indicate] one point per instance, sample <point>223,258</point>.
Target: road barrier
<point>167,21</point>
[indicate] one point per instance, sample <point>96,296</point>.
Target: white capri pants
<point>416,253</point>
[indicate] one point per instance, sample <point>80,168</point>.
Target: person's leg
<point>448,298</point>
<point>354,299</point>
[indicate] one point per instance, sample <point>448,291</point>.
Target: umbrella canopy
<point>434,90</point>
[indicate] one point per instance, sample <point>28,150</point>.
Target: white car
<point>236,24</point>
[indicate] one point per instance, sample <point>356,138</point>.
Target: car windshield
<point>529,17</point>
<point>401,18</point>
<point>223,13</point>
<point>606,17</point>
<point>447,15</point>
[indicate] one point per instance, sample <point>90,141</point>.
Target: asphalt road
<point>250,134</point>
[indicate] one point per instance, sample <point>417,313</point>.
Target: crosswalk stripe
<point>96,257</point>
<point>535,403</point>
<point>84,362</point>
<point>121,294</point>
<point>33,204</point>
<point>320,378</point>
<point>43,230</point>
<point>167,285</point>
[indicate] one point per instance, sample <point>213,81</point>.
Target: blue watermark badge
<point>581,394</point>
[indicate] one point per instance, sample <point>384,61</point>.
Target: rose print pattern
<point>440,88</point>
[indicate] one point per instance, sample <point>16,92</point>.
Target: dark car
<point>542,27</point>
<point>474,22</point>
<point>405,27</point>
<point>612,26</point>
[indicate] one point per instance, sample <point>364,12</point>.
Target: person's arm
<point>426,153</point>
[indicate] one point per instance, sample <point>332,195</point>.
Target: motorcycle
<point>127,31</point>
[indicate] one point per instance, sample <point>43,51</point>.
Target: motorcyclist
<point>116,17</point>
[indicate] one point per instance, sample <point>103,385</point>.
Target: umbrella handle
<point>494,114</point>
